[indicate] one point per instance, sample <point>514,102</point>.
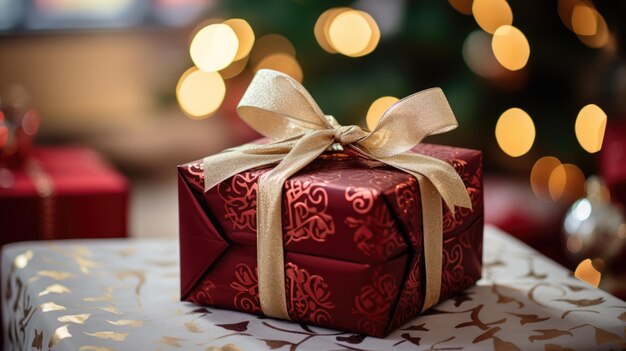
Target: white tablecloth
<point>123,295</point>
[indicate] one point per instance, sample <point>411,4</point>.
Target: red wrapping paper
<point>352,238</point>
<point>89,199</point>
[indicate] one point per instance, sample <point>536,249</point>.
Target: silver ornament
<point>594,227</point>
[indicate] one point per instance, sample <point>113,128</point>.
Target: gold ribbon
<point>280,108</point>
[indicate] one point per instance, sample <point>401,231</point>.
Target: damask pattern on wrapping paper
<point>524,302</point>
<point>374,302</point>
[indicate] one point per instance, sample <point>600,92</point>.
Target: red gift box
<point>62,193</point>
<point>352,233</point>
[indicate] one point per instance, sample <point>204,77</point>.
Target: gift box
<point>62,193</point>
<point>332,225</point>
<point>352,237</point>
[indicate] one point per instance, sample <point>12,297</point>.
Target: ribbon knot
<point>280,108</point>
<point>345,135</point>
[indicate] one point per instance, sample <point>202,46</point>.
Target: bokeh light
<point>601,36</point>
<point>30,122</point>
<point>586,272</point>
<point>268,45</point>
<point>590,126</point>
<point>492,14</point>
<point>566,183</point>
<point>479,57</point>
<point>234,68</point>
<point>245,36</point>
<point>200,93</point>
<point>584,20</point>
<point>515,132</point>
<point>540,176</point>
<point>214,47</point>
<point>463,6</point>
<point>376,110</point>
<point>323,24</point>
<point>283,63</point>
<point>353,33</point>
<point>510,47</point>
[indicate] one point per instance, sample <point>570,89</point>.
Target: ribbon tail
<point>432,221</point>
<point>270,256</point>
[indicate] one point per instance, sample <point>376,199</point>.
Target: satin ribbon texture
<point>280,108</point>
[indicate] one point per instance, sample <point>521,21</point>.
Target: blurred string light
<point>582,18</point>
<point>586,272</point>
<point>540,176</point>
<point>284,63</point>
<point>276,52</point>
<point>245,36</point>
<point>566,183</point>
<point>479,57</point>
<point>463,6</point>
<point>590,126</point>
<point>200,93</point>
<point>376,110</point>
<point>510,47</point>
<point>220,50</point>
<point>515,132</point>
<point>31,122</point>
<point>350,32</point>
<point>492,14</point>
<point>214,47</point>
<point>234,69</point>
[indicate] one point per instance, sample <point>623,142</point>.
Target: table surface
<point>120,294</point>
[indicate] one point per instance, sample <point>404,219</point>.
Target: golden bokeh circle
<point>245,36</point>
<point>510,47</point>
<point>214,47</point>
<point>200,93</point>
<point>376,110</point>
<point>492,14</point>
<point>463,6</point>
<point>515,132</point>
<point>349,33</point>
<point>589,127</point>
<point>540,176</point>
<point>566,183</point>
<point>270,44</point>
<point>283,63</point>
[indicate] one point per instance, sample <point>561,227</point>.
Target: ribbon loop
<point>280,108</point>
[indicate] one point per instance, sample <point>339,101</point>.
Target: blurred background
<point>539,86</point>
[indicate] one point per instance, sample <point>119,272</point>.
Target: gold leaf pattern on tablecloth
<point>95,348</point>
<point>529,318</point>
<point>622,317</point>
<point>74,318</point>
<point>486,335</point>
<point>37,340</point>
<point>227,347</point>
<point>107,296</point>
<point>127,322</point>
<point>21,260</point>
<point>56,275</point>
<point>583,302</point>
<point>108,335</point>
<point>171,341</point>
<point>501,345</point>
<point>547,334</point>
<point>51,306</point>
<point>141,280</point>
<point>59,334</point>
<point>111,309</point>
<point>192,327</point>
<point>566,313</point>
<point>55,289</point>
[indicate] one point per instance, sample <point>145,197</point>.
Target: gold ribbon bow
<point>280,108</point>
